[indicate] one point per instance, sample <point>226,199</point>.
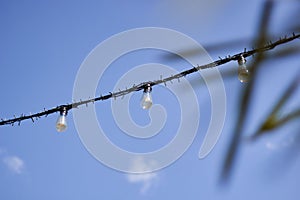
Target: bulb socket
<point>63,111</point>
<point>241,60</point>
<point>147,88</point>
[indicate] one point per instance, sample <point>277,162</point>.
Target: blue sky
<point>43,44</point>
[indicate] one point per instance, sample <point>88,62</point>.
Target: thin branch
<point>273,121</point>
<point>234,145</point>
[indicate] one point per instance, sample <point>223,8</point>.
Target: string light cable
<point>146,101</point>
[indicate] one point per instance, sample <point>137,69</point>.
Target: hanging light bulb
<point>146,101</point>
<point>61,123</point>
<point>243,72</point>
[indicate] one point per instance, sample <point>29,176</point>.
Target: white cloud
<point>146,179</point>
<point>271,146</point>
<point>283,143</point>
<point>14,163</point>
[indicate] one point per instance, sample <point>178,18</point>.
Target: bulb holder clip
<point>63,111</point>
<point>147,88</point>
<point>241,60</point>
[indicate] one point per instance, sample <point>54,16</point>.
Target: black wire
<point>141,86</point>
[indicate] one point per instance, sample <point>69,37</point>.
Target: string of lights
<point>146,103</point>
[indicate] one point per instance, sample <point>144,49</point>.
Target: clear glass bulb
<point>243,72</point>
<point>61,123</point>
<point>146,101</point>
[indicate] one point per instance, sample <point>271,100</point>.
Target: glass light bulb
<point>61,123</point>
<point>243,72</point>
<point>146,101</point>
